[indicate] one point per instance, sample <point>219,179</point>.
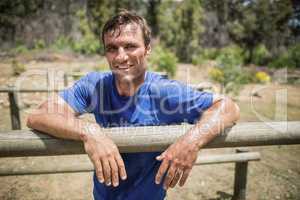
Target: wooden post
<point>65,79</point>
<point>14,109</point>
<point>240,178</point>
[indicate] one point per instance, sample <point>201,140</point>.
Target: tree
<point>255,22</point>
<point>180,27</point>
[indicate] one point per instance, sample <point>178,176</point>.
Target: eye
<point>130,46</point>
<point>111,49</point>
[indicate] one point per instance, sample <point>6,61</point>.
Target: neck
<point>128,87</point>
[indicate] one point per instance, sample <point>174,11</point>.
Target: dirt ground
<point>276,176</point>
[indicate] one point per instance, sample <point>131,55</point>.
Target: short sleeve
<point>183,103</point>
<point>79,95</point>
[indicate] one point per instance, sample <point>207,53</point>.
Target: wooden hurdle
<point>151,138</point>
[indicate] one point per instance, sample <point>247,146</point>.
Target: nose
<point>121,55</point>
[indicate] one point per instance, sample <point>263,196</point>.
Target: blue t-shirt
<point>158,101</point>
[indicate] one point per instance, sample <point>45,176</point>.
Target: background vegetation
<point>233,33</point>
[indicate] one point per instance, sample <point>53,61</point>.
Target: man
<point>131,96</point>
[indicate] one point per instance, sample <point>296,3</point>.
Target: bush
<point>162,59</point>
<point>17,67</point>
<point>20,49</point>
<point>262,77</point>
<point>88,44</point>
<point>205,55</point>
<point>290,59</point>
<point>261,55</point>
<point>229,72</point>
<point>234,52</point>
<point>294,53</point>
<point>62,43</point>
<point>39,44</point>
<point>232,55</point>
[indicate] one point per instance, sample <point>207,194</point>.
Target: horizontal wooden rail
<point>150,138</point>
<point>28,167</point>
<point>25,90</point>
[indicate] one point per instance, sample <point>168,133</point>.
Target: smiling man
<point>129,95</point>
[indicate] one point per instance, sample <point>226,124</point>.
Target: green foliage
<point>230,55</point>
<point>290,59</point>
<point>39,44</point>
<point>229,72</point>
<point>251,23</point>
<point>294,53</point>
<point>62,43</point>
<point>99,11</point>
<point>88,44</point>
<point>20,48</point>
<point>17,67</point>
<point>261,55</point>
<point>232,52</point>
<point>205,55</point>
<point>162,59</point>
<point>180,27</point>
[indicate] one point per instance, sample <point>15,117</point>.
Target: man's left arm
<point>179,158</point>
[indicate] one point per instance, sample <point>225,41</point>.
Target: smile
<point>124,67</point>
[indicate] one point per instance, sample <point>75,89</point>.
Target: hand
<point>106,158</point>
<point>177,162</point>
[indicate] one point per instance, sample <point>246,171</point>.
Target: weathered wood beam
<point>12,167</point>
<point>26,90</point>
<point>150,138</point>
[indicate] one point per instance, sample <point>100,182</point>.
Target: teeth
<point>123,67</point>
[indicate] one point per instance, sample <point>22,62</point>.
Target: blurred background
<point>247,49</point>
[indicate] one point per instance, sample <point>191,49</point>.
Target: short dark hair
<point>125,17</point>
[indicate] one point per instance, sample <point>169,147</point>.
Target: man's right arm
<point>57,118</point>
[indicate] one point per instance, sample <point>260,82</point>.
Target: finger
<point>98,169</point>
<point>114,171</point>
<point>161,171</point>
<point>176,178</point>
<point>160,157</point>
<point>184,177</point>
<point>121,166</point>
<point>169,177</point>
<point>107,171</point>
<point>83,137</point>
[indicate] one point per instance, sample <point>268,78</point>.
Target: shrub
<point>205,55</point>
<point>231,55</point>
<point>262,77</point>
<point>234,52</point>
<point>39,44</point>
<point>17,67</point>
<point>162,59</point>
<point>229,72</point>
<point>62,43</point>
<point>290,59</point>
<point>216,74</point>
<point>294,53</point>
<point>20,49</point>
<point>261,55</point>
<point>88,44</point>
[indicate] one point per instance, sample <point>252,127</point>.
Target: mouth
<point>123,67</point>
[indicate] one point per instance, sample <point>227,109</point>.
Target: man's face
<point>126,52</point>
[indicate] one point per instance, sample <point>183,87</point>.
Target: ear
<point>148,50</point>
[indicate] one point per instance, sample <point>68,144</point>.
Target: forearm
<point>59,125</point>
<point>221,115</point>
